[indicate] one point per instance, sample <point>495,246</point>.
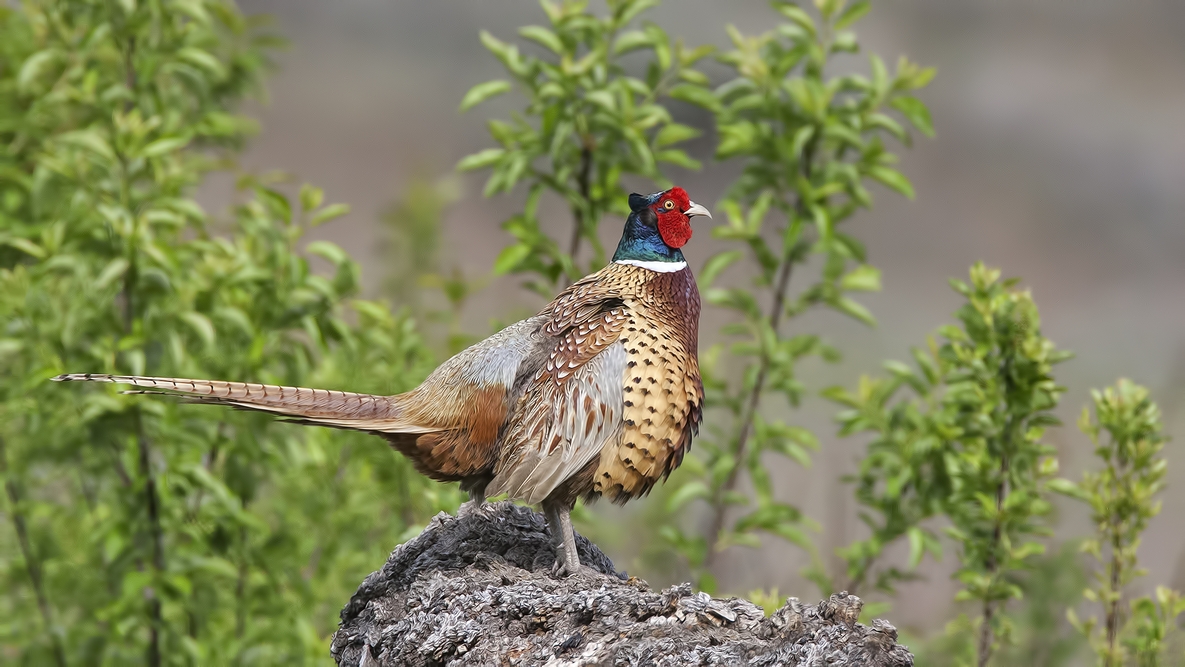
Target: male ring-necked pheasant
<point>597,395</point>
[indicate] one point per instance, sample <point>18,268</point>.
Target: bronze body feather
<point>597,395</point>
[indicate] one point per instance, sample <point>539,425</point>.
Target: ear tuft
<point>638,202</point>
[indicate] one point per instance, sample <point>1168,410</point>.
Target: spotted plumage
<point>597,395</point>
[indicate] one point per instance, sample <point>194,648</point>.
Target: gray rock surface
<point>477,590</point>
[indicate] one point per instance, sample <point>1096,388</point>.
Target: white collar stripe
<point>660,267</point>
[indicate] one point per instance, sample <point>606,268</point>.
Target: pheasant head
<point>658,226</point>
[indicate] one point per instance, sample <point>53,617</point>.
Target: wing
<point>573,404</point>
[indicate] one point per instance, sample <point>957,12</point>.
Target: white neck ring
<point>658,267</point>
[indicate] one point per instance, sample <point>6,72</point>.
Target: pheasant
<point>597,395</point>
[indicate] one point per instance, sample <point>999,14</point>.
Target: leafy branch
<point>151,532</point>
<point>808,144</point>
<point>587,123</point>
<point>1126,432</point>
<point>966,444</point>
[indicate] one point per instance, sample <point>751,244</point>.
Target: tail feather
<point>342,409</point>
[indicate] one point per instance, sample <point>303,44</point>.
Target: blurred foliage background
<point>143,230</point>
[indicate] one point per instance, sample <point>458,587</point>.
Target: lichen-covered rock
<point>477,590</point>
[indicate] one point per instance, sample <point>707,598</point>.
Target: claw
<point>470,507</point>
<point>563,568</point>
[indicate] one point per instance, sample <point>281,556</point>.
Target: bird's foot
<point>565,567</point>
<point>470,507</point>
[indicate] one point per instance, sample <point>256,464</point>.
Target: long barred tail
<point>342,409</point>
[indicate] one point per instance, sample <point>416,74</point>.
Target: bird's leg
<point>477,498</point>
<point>563,537</point>
<point>552,512</point>
<point>571,557</point>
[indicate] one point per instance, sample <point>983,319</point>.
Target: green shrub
<point>1122,502</point>
<point>968,446</point>
<point>145,531</point>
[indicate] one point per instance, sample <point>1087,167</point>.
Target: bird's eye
<point>669,205</point>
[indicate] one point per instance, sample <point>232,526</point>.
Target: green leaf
<point>855,310</point>
<point>507,54</point>
<point>801,136</point>
<point>203,59</point>
<point>165,145</point>
<point>24,245</point>
<point>481,159</point>
<point>311,197</point>
<point>484,91</point>
<point>34,67</point>
<point>678,158</point>
<point>696,95</point>
<point>674,133</point>
<point>736,138</point>
<point>864,278</point>
<point>922,78</point>
<point>917,544</point>
<point>1068,488</point>
<point>793,451</point>
<point>716,264</point>
<point>9,346</point>
<point>694,490</point>
<point>845,42</point>
<point>91,140</point>
<point>631,9</point>
<point>510,257</point>
<point>631,40</point>
<point>329,251</point>
<point>797,15</point>
<point>200,325</point>
<point>917,113</point>
<point>544,37</point>
<point>880,120</point>
<point>852,14</point>
<point>603,99</point>
<point>880,76</point>
<point>113,271</point>
<point>329,213</point>
<point>893,179</point>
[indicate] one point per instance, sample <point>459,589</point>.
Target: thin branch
<point>578,214</point>
<point>985,631</point>
<point>117,463</point>
<point>241,587</point>
<point>777,309</point>
<point>1112,603</point>
<point>856,582</point>
<point>209,460</point>
<point>152,502</point>
<point>143,446</point>
<point>775,319</point>
<point>986,634</point>
<point>32,565</point>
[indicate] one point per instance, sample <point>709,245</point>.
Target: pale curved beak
<point>695,209</point>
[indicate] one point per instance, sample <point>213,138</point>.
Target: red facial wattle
<point>673,224</point>
<point>675,228</point>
